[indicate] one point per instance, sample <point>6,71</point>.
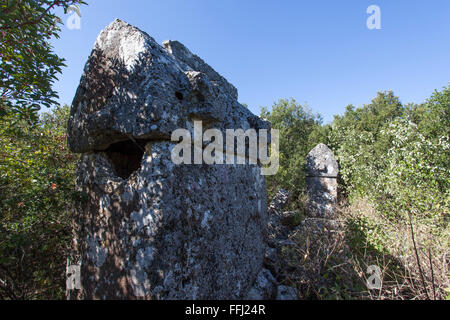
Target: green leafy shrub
<point>28,65</point>
<point>37,192</point>
<point>397,157</point>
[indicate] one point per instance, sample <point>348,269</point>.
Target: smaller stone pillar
<point>321,181</point>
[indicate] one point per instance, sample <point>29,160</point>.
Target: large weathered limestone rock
<point>322,171</point>
<point>150,228</point>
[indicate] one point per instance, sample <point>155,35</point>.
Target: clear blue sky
<point>319,52</point>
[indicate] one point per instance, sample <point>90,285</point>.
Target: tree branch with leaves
<point>28,65</point>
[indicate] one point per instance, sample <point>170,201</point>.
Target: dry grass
<point>330,260</point>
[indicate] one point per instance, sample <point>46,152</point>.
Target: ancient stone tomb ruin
<point>150,229</point>
<point>322,172</point>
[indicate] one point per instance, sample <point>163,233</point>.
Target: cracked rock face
<point>150,229</point>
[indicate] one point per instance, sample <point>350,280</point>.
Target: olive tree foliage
<point>416,178</point>
<point>355,138</point>
<point>28,65</point>
<point>397,156</point>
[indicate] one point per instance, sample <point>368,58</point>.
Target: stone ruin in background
<point>322,172</point>
<point>149,229</point>
<point>316,224</point>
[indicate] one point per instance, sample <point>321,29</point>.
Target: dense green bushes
<point>395,173</point>
<point>36,193</point>
<point>398,159</point>
<point>397,156</point>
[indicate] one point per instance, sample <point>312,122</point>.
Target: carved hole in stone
<point>126,156</point>
<point>179,95</point>
<point>196,97</point>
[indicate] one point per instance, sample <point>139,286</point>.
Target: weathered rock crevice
<point>126,157</point>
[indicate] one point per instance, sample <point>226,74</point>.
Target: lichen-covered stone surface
<point>322,171</point>
<point>132,86</point>
<point>150,229</point>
